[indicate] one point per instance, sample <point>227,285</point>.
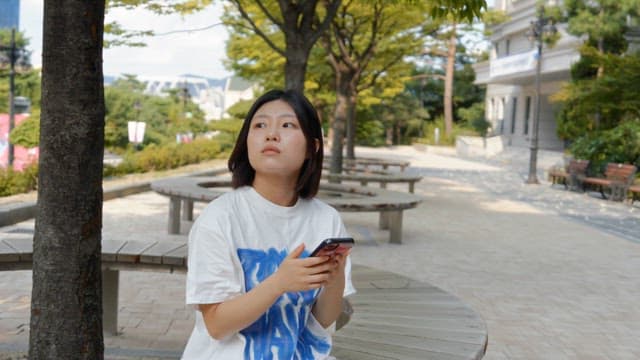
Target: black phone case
<point>332,242</point>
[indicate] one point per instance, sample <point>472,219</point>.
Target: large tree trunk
<point>448,82</point>
<point>66,303</point>
<point>350,80</point>
<point>295,68</point>
<point>338,126</point>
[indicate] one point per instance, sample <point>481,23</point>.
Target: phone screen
<point>331,246</point>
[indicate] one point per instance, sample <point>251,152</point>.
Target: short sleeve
<point>213,274</point>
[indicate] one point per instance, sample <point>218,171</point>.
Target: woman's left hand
<point>336,274</point>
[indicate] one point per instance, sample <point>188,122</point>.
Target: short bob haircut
<point>309,178</point>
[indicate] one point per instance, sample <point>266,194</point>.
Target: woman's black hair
<point>309,177</point>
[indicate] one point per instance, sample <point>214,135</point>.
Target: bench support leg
<point>411,187</point>
<point>110,279</point>
<point>395,226</point>
<point>174,215</point>
<point>384,221</point>
<point>187,210</point>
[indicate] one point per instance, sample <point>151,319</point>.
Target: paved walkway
<point>551,271</point>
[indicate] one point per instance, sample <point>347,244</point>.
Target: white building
<point>510,76</point>
<point>214,97</point>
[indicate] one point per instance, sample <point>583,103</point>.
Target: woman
<point>256,292</point>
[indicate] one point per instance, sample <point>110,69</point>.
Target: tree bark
<point>66,302</point>
<point>295,67</point>
<point>350,81</point>
<point>352,125</point>
<point>448,82</point>
<point>339,126</point>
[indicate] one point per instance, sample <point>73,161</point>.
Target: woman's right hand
<point>295,274</point>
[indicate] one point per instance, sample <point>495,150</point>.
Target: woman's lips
<point>270,150</point>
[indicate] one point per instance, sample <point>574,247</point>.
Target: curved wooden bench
<point>393,317</point>
<point>384,163</point>
<point>383,179</point>
<point>183,191</point>
<point>399,318</point>
<point>16,253</point>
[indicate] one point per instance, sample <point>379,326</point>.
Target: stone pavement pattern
<point>545,268</point>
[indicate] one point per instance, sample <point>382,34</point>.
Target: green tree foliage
<point>401,116</point>
<point>615,96</point>
<point>428,86</point>
<point>289,28</point>
<point>27,80</point>
<point>27,133</point>
<point>603,21</point>
<point>164,116</point>
<point>620,144</point>
<point>369,42</point>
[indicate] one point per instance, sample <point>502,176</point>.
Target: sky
<point>196,52</point>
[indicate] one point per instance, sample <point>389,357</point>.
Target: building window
<point>527,115</point>
<point>514,112</point>
<point>507,47</point>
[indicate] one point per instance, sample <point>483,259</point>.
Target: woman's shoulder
<point>224,204</point>
<point>318,205</point>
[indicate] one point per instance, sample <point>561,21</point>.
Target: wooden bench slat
<point>110,249</point>
<point>176,257</point>
<point>155,254</point>
<point>132,250</point>
<point>415,340</point>
<point>392,351</point>
<point>7,253</point>
<point>459,336</point>
<point>22,245</point>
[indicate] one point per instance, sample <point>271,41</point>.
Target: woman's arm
<point>294,274</point>
<point>328,306</point>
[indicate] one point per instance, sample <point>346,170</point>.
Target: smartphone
<point>331,246</point>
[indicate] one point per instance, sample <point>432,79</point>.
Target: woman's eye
<point>260,125</point>
<point>289,125</point>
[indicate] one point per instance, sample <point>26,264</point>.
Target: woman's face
<point>276,144</point>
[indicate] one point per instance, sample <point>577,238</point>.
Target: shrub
<point>15,182</point>
<point>620,144</point>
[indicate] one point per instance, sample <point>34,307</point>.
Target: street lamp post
<point>539,27</point>
<point>13,55</point>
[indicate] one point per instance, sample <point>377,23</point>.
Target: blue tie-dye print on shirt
<point>281,332</point>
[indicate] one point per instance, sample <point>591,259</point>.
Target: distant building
<point>510,76</point>
<point>213,96</point>
<point>10,14</point>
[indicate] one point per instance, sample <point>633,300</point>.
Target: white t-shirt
<point>239,240</point>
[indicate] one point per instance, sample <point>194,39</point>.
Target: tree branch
<point>257,30</point>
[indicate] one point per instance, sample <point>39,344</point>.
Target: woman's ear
<point>317,142</point>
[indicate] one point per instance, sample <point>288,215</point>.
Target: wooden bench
<point>16,253</point>
<point>377,162</point>
<point>365,178</point>
<point>393,317</point>
<point>184,191</point>
<point>396,317</point>
<point>617,179</point>
<point>571,176</point>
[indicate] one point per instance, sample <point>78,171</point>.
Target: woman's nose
<point>272,135</point>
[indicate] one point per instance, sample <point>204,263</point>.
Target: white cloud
<point>197,52</point>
